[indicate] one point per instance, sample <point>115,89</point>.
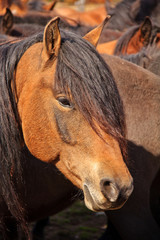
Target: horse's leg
<point>38,229</point>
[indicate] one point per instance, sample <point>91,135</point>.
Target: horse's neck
<point>127,74</point>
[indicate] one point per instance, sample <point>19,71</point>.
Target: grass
<point>76,223</point>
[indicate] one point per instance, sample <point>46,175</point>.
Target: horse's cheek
<point>39,131</point>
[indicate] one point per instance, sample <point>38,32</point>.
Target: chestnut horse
<point>139,89</point>
<point>87,18</point>
<point>59,104</point>
<point>140,92</point>
<point>133,40</point>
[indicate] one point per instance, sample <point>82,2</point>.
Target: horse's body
<point>140,91</point>
<point>50,105</point>
<point>88,18</point>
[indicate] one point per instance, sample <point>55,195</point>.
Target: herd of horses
<point>80,115</point>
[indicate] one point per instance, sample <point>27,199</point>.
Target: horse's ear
<point>146,30</point>
<point>52,38</point>
<point>94,35</point>
<point>7,21</point>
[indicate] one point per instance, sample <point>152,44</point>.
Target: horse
<point>127,13</point>
<point>19,27</point>
<point>146,9</point>
<point>139,218</point>
<point>140,93</point>
<point>123,14</point>
<point>87,18</point>
<point>19,7</point>
<point>138,37</point>
<point>59,105</point>
<point>133,40</point>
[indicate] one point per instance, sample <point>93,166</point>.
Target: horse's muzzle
<point>111,196</point>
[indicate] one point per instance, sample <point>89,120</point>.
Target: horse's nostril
<point>109,190</point>
<point>113,192</point>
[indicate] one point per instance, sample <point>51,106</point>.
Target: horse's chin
<point>97,205</point>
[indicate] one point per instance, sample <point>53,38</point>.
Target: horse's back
<point>140,92</point>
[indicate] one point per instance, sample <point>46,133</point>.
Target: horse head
<point>71,114</point>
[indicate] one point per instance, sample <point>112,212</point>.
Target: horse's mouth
<point>94,204</point>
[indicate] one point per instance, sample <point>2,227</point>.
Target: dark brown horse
<point>140,92</point>
<point>59,104</point>
<point>127,13</point>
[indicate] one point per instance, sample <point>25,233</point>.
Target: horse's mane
<point>92,88</point>
<point>84,72</point>
<point>123,41</point>
<point>148,58</point>
<point>10,134</point>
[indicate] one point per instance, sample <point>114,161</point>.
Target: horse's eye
<point>64,102</point>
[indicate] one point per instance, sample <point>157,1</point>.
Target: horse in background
<point>88,18</point>
<point>139,89</point>
<point>133,40</point>
<point>19,7</point>
<point>14,28</point>
<point>128,13</point>
<point>123,14</point>
<point>52,113</point>
<point>138,37</point>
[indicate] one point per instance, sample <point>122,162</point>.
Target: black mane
<point>82,70</point>
<point>125,39</point>
<point>10,134</point>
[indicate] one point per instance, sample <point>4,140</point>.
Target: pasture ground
<point>76,223</point>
